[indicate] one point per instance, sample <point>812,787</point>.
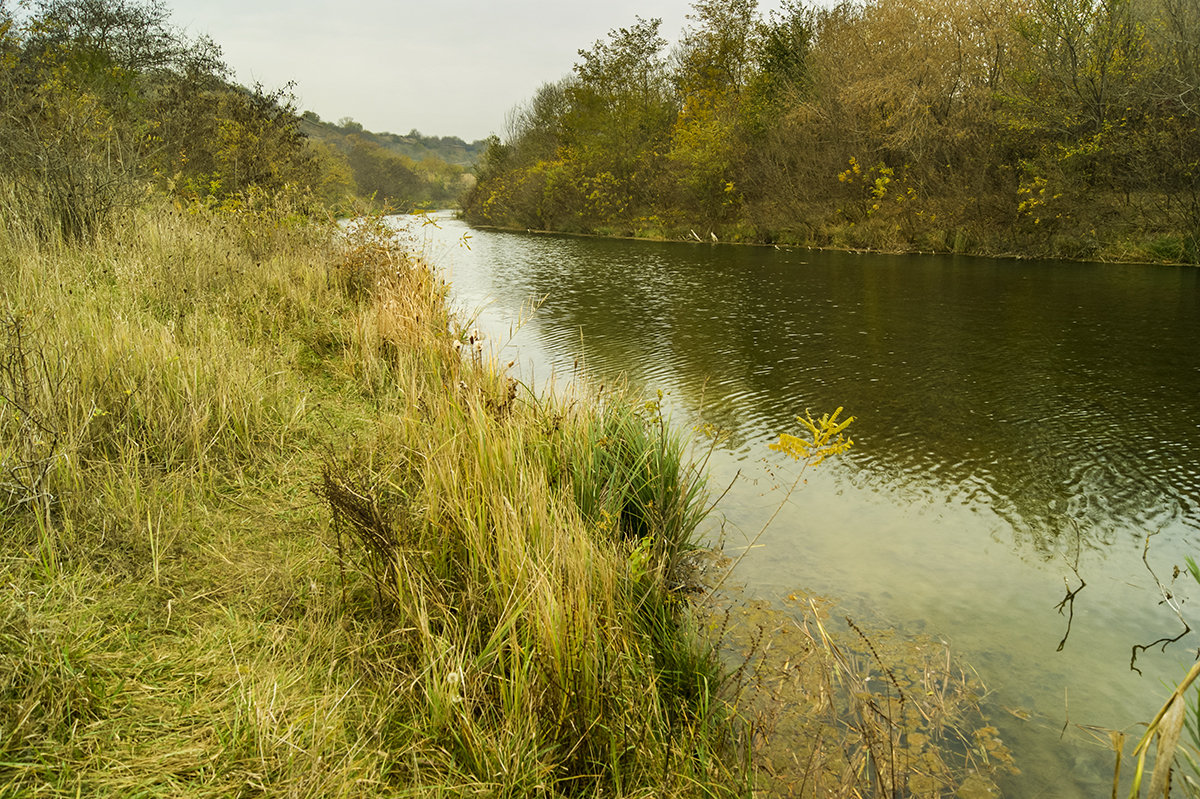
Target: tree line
<point>403,171</point>
<point>1063,128</point>
<point>102,101</point>
<point>414,144</point>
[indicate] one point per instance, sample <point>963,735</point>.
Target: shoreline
<point>310,536</point>
<point>678,239</point>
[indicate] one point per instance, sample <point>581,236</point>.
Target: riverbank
<point>775,129</point>
<point>748,238</point>
<point>276,523</point>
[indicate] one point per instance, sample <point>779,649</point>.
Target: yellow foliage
<point>825,437</point>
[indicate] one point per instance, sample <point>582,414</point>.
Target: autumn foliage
<point>1061,128</point>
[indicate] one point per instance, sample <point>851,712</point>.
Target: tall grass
<point>520,549</point>
<point>273,525</point>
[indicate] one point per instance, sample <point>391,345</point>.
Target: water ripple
<point>1043,399</point>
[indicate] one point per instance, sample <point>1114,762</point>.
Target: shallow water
<point>1021,428</point>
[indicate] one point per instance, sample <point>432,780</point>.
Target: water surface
<point>1022,427</point>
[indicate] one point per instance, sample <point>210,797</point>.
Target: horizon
<point>459,80</point>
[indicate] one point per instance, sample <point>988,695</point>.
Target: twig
<point>1168,600</point>
<point>1068,602</point>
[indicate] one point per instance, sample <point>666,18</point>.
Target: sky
<point>443,67</point>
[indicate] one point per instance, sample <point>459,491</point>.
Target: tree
<point>714,65</point>
<point>101,98</point>
<point>131,36</point>
<point>1175,35</point>
<point>620,111</point>
<point>782,59</point>
<point>259,142</point>
<point>716,55</point>
<point>1082,62</point>
<point>389,177</point>
<point>536,128</point>
<point>1040,126</point>
<point>72,119</point>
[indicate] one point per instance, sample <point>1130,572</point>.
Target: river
<point>1021,429</point>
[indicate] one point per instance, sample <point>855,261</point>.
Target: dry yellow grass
<point>188,402</point>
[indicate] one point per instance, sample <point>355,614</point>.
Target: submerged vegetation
<point>840,711</point>
<point>1040,128</point>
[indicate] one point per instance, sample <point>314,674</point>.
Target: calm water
<point>1015,421</point>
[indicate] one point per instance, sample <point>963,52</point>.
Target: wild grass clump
<point>520,549</point>
<point>150,354</point>
<point>631,480</point>
<point>472,600</point>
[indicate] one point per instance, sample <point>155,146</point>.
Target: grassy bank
<point>274,524</point>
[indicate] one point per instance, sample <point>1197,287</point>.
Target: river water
<point>1022,428</point>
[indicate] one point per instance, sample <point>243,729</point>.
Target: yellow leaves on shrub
<point>826,436</point>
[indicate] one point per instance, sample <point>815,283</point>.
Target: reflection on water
<point>1014,419</point>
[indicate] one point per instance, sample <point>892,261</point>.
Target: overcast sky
<point>444,67</point>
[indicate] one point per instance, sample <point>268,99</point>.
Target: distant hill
<point>403,172</point>
<point>413,144</point>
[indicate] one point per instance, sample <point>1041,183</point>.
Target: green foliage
<point>705,150</point>
<point>966,109</point>
<point>381,174</point>
<point>785,42</point>
<point>102,99</point>
<point>716,54</point>
<point>400,172</point>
